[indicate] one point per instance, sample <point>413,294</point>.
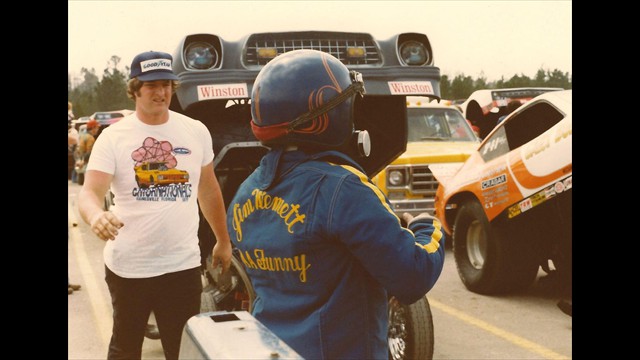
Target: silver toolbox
<point>231,335</point>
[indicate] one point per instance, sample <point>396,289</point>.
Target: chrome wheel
<point>476,244</point>
<point>397,330</point>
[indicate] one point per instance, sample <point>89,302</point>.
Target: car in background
<point>436,133</point>
<point>484,107</point>
<point>106,118</point>
<point>79,122</point>
<point>508,208</point>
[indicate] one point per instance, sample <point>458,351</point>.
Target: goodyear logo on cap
<point>155,64</point>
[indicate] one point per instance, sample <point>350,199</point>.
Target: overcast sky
<point>474,38</point>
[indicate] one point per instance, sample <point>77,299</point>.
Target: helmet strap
<point>356,87</point>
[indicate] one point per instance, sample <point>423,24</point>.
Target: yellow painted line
<point>98,304</point>
<point>512,338</point>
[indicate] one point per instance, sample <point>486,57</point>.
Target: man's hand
<point>105,225</point>
<point>408,218</point>
<point>222,255</point>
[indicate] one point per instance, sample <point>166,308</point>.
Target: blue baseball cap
<point>152,65</point>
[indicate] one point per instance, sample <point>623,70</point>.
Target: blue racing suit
<point>324,250</point>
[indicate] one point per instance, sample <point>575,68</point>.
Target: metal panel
<point>231,335</point>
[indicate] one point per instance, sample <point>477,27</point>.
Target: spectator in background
<point>83,150</point>
<point>474,127</point>
<point>74,137</point>
<point>72,140</point>
<point>70,115</point>
<point>511,107</point>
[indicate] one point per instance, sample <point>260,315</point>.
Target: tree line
<point>93,94</point>
<point>461,86</point>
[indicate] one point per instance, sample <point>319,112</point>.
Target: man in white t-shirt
<point>159,166</point>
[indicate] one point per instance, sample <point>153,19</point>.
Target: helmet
<point>304,97</point>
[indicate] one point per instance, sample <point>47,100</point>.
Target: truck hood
<point>437,152</point>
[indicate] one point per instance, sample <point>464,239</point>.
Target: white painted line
<point>96,295</point>
<point>510,337</point>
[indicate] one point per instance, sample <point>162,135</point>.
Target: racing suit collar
<point>277,162</point>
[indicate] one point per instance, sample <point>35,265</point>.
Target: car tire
<point>216,297</point>
<point>488,262</point>
<point>410,331</point>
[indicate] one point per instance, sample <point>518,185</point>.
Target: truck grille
<point>422,180</point>
<point>334,43</point>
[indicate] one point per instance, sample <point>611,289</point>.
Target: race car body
<point>508,208</point>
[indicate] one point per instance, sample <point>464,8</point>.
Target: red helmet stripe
<point>266,133</point>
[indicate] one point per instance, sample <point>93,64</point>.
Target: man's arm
<point>91,205</point>
<point>72,139</point>
<point>212,207</point>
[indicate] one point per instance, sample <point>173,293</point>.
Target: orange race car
<point>508,208</point>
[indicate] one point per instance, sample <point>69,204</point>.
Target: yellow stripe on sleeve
<point>365,180</point>
<point>433,245</point>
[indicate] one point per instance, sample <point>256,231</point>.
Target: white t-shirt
<point>156,171</point>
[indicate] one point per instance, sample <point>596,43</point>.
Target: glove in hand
<point>408,218</point>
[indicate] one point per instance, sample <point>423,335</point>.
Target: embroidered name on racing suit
<point>270,263</point>
<point>263,201</point>
<point>290,216</point>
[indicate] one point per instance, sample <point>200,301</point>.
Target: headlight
<point>396,177</point>
<point>413,53</point>
<point>200,55</point>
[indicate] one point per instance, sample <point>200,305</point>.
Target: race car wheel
<point>410,333</point>
<point>233,294</point>
<point>487,261</point>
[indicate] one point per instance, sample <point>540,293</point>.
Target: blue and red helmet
<point>304,97</point>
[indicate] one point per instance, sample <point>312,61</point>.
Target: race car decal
<point>496,196</point>
<point>544,159</point>
<point>500,179</point>
<point>540,197</point>
<point>410,87</point>
<point>222,91</point>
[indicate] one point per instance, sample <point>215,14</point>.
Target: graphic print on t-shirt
<point>156,173</point>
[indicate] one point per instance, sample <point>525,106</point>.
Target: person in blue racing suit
<point>320,242</point>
